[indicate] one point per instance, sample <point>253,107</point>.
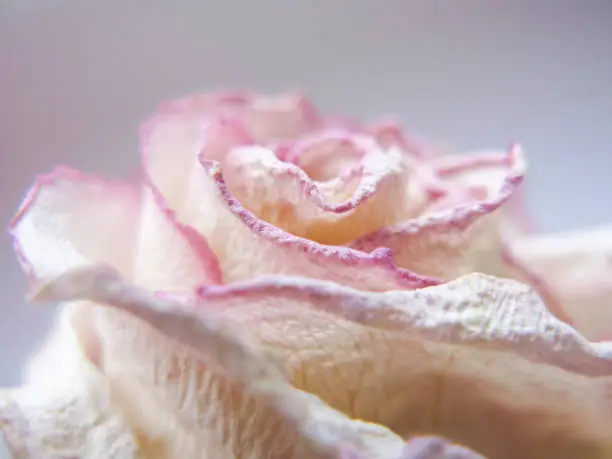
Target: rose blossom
<point>284,284</point>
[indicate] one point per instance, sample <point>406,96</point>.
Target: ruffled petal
<point>64,410</point>
<point>71,219</point>
<point>458,233</point>
<point>437,360</point>
<point>340,203</point>
<point>248,247</point>
<point>577,269</point>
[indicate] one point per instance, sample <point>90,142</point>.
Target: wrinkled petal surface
<point>434,361</point>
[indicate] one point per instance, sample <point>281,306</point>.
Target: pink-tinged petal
<point>64,409</point>
<point>438,360</point>
<point>216,383</point>
<point>171,142</point>
<point>72,219</point>
<point>248,247</point>
<point>266,118</point>
<point>458,233</point>
<point>170,256</point>
<point>577,268</point>
<point>372,192</point>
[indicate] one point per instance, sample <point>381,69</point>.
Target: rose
<point>238,186</point>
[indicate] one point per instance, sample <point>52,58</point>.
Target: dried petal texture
<point>435,361</point>
<point>364,189</point>
<point>577,268</point>
<point>458,233</point>
<point>195,386</point>
<point>71,219</point>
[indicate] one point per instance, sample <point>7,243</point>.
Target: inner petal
<point>371,190</point>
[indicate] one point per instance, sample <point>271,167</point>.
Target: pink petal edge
<point>322,255</point>
<point>515,319</point>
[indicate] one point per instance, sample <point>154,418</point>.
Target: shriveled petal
<point>71,219</point>
<point>435,361</point>
<point>197,378</point>
<point>248,247</point>
<point>64,410</point>
<point>577,268</point>
<point>459,233</point>
<point>343,202</point>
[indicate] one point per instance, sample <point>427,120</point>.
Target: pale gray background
<point>77,76</point>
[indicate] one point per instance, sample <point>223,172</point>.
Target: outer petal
<point>438,360</point>
<point>458,234</point>
<point>370,193</point>
<point>578,269</point>
<point>64,410</point>
<point>71,219</point>
<point>192,381</point>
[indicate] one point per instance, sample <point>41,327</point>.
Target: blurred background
<point>76,78</point>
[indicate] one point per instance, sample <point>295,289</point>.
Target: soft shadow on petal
<point>70,219</point>
<point>248,247</point>
<point>170,256</point>
<point>64,410</point>
<point>577,268</point>
<point>454,237</point>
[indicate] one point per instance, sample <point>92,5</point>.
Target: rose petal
<point>458,236</point>
<point>221,386</point>
<point>169,255</point>
<point>439,360</point>
<point>266,118</point>
<point>248,247</point>
<point>64,411</point>
<point>373,193</point>
<point>577,267</point>
<point>71,219</point>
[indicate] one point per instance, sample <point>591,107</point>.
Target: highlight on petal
<point>458,234</point>
<point>248,247</point>
<point>216,382</point>
<point>71,219</point>
<point>64,409</point>
<point>577,269</point>
<point>372,192</point>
